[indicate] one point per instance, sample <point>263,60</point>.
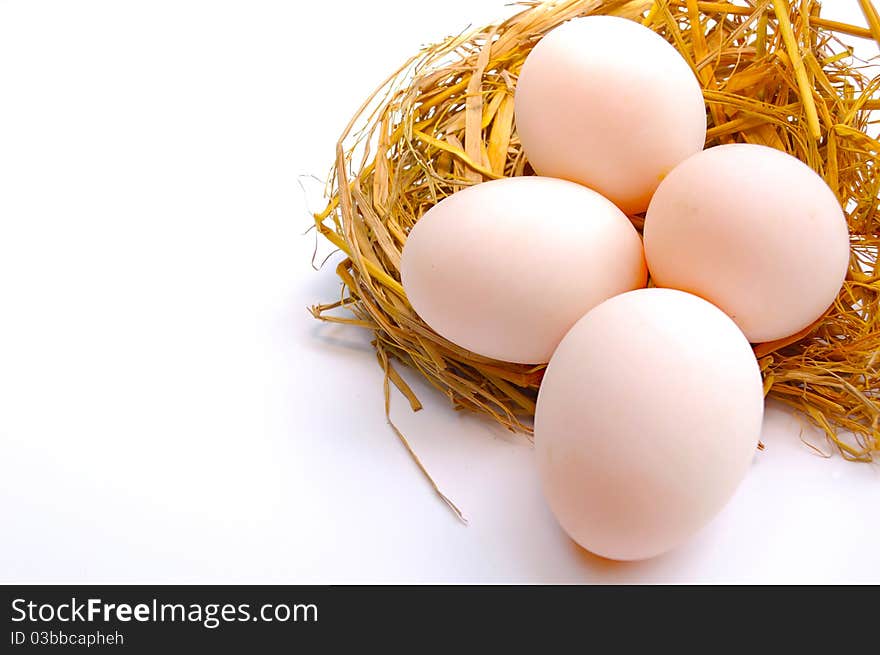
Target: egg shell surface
<point>753,230</point>
<point>608,103</point>
<point>505,268</point>
<point>647,420</point>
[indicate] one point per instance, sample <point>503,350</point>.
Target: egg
<point>753,230</point>
<point>606,102</point>
<point>647,420</point>
<point>504,268</point>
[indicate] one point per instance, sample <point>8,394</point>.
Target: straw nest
<point>773,72</point>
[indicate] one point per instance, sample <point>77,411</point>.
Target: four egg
<point>651,405</point>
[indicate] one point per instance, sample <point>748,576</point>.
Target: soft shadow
<point>600,570</point>
<point>339,335</point>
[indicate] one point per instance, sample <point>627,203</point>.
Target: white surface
<point>169,412</point>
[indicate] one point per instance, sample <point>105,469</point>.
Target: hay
<point>772,73</point>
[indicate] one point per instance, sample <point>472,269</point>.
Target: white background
<point>169,411</point>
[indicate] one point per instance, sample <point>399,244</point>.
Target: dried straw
<point>773,72</point>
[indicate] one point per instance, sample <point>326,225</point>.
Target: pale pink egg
<point>647,419</point>
<point>753,230</point>
<point>607,103</point>
<point>505,268</point>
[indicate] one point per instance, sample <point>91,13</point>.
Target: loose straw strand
<point>386,367</point>
<point>872,17</point>
<point>780,7</point>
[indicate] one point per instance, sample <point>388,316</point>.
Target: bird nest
<point>772,72</point>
